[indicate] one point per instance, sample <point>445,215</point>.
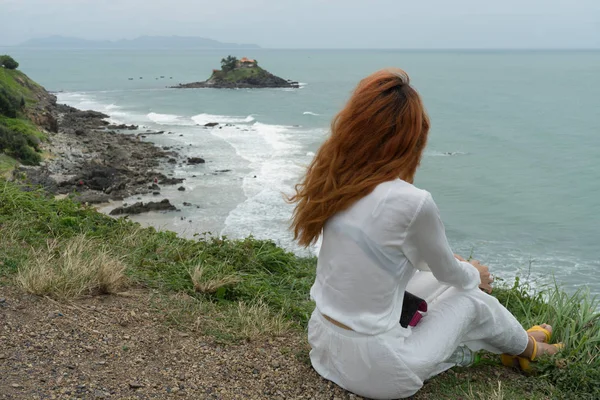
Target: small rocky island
<point>243,73</point>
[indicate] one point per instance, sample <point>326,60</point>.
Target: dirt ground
<point>115,347</point>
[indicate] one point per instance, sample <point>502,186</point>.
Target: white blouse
<point>370,251</point>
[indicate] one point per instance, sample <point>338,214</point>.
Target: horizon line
<point>259,48</point>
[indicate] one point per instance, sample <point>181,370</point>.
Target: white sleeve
<point>426,242</point>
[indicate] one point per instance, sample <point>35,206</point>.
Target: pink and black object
<point>412,307</point>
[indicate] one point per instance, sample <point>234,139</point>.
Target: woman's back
<point>362,272</point>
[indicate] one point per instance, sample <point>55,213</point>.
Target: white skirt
<point>394,364</point>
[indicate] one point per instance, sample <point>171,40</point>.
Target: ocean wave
<point>86,101</point>
<point>275,136</point>
<point>168,119</point>
<point>310,154</point>
<point>310,113</point>
<point>202,119</point>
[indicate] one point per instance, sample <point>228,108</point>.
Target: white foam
<point>272,151</point>
<point>85,101</point>
<point>202,119</point>
<point>169,119</point>
<point>310,113</point>
<point>310,154</point>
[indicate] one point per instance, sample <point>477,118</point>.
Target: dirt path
<point>118,347</point>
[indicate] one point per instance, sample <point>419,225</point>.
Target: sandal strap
<point>539,328</point>
<point>535,348</point>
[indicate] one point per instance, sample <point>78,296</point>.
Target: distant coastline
<point>142,42</point>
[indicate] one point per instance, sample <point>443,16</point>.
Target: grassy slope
<point>6,165</point>
<point>241,288</point>
<point>19,85</point>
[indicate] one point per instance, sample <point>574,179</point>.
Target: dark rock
<point>88,114</point>
<point>181,188</point>
<point>122,126</point>
<point>92,198</point>
<point>172,161</point>
<point>154,186</point>
<point>171,181</point>
<point>223,170</point>
<point>35,177</point>
<point>185,203</point>
<point>211,124</point>
<point>140,207</point>
<point>195,160</point>
<point>79,132</point>
<point>254,77</point>
<point>155,193</point>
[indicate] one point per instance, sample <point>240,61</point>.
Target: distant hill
<point>142,42</point>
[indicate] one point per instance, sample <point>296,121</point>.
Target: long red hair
<point>377,137</point>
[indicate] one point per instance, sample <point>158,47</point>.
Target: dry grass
<point>234,322</point>
<point>494,393</point>
<point>257,321</point>
<point>78,267</point>
<point>209,284</point>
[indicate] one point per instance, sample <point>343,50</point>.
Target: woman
<point>382,236</point>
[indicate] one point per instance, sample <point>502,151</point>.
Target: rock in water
<point>171,181</point>
<point>242,73</point>
<point>211,124</point>
<point>195,160</point>
<point>140,207</point>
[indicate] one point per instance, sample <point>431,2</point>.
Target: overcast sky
<point>316,23</point>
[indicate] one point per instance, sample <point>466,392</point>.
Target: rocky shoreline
<point>96,161</point>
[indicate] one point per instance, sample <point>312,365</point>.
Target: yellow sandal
<point>539,328</point>
<point>525,362</point>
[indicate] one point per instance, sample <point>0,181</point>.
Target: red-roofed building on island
<point>247,63</point>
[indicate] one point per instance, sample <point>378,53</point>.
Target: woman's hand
<point>486,277</point>
<point>459,258</point>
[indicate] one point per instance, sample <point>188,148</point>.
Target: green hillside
<point>240,74</point>
<point>20,137</point>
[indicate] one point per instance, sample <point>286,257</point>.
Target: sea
<point>513,159</point>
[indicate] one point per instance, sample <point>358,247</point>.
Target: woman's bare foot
<point>542,349</point>
<point>540,337</point>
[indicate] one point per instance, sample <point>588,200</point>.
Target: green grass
<point>20,137</point>
<point>23,126</point>
<point>486,382</point>
<point>7,164</point>
<point>247,289</point>
<point>18,84</point>
<point>240,73</point>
